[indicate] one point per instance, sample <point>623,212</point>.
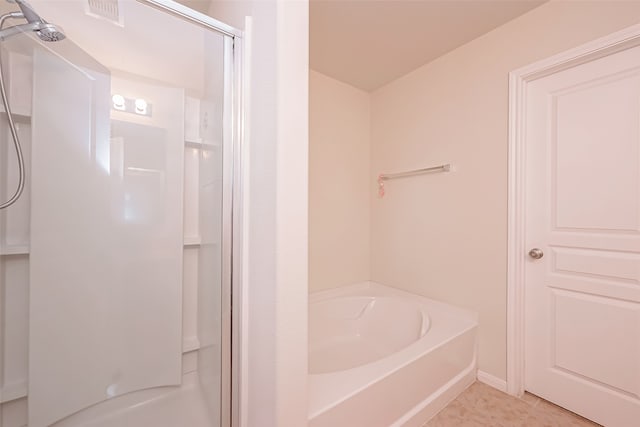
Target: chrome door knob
<point>536,253</point>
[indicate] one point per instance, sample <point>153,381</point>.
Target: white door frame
<point>518,84</point>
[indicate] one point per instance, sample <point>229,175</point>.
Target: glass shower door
<point>114,262</point>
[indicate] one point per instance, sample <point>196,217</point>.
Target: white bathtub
<point>381,357</point>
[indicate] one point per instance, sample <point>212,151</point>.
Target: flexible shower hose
<point>14,134</point>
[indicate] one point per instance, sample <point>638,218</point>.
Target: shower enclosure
<point>115,261</point>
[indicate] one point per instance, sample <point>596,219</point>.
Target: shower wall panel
<point>14,247</point>
<point>106,241</point>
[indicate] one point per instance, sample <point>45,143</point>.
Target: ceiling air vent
<point>106,9</point>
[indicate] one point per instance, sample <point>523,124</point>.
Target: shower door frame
<point>231,405</point>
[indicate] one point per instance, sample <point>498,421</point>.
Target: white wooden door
<point>582,345</point>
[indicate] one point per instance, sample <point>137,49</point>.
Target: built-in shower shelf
<point>190,344</point>
<point>19,114</point>
<point>198,144</point>
<point>14,250</point>
<point>14,391</point>
<point>193,142</point>
<point>192,241</point>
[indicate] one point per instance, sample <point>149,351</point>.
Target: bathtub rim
<point>425,323</point>
<point>366,375</point>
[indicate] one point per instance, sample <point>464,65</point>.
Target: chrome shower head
<point>50,33</point>
<point>45,31</point>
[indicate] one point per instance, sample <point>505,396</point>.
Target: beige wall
<point>339,204</point>
<point>445,235</point>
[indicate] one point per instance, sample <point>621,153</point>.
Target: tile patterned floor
<point>482,406</point>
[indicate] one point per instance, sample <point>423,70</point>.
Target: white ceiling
<point>368,43</point>
<point>365,43</point>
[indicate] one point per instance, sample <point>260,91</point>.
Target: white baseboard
<point>492,381</point>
